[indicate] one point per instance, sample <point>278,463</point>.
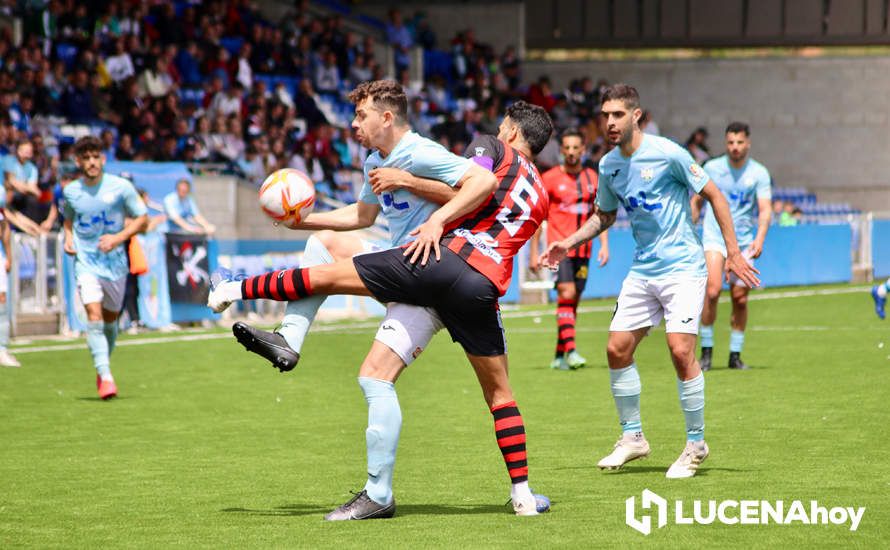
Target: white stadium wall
<point>823,123</point>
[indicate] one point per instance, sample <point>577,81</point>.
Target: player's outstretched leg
<point>879,295</point>
<point>384,425</point>
<point>691,390</point>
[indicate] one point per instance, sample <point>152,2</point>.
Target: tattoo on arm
<point>597,223</point>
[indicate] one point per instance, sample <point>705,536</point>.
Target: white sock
<point>520,490</point>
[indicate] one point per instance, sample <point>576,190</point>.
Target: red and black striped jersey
<point>571,204</point>
<point>491,235</point>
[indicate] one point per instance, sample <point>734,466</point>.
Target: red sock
<point>565,326</point>
<point>284,285</point>
<point>510,432</point>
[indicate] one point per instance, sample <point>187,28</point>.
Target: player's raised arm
<point>358,215</point>
<point>734,260</point>
<point>387,180</point>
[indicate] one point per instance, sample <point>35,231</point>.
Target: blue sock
<point>626,388</point>
<point>706,333</point>
<point>736,341</point>
<point>4,324</point>
<point>692,401</point>
<point>98,345</point>
<point>384,425</point>
<point>110,330</point>
<point>299,314</point>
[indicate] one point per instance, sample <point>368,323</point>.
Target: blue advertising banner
<point>154,294</point>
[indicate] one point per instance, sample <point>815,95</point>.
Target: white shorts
<point>408,329</point>
<point>643,303</point>
<point>96,289</point>
<point>721,249</point>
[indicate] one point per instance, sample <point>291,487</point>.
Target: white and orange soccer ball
<point>287,196</point>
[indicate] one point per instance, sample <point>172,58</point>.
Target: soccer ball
<point>287,196</point>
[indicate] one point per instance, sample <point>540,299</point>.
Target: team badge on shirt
<point>108,198</point>
<point>648,174</point>
<point>697,171</point>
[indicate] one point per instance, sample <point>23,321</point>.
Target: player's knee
<point>567,292</point>
<point>682,352</point>
<point>2,297</point>
<point>713,291</point>
<point>619,353</point>
<point>740,302</point>
<point>326,238</point>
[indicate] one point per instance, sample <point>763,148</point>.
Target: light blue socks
<point>4,325</point>
<point>98,344</point>
<point>110,330</point>
<point>626,388</point>
<point>706,334</point>
<point>736,341</point>
<point>692,401</point>
<point>384,425</point>
<point>299,314</point>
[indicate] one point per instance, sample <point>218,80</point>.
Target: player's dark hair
<point>625,92</point>
<point>571,132</point>
<point>386,95</point>
<point>533,122</point>
<point>87,144</point>
<point>738,127</point>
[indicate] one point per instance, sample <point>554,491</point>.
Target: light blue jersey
<point>100,210</point>
<point>26,173</point>
<point>654,186</point>
<point>186,209</point>
<point>423,158</point>
<point>742,188</point>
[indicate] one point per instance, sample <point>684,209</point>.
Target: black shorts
<point>465,299</point>
<point>573,270</point>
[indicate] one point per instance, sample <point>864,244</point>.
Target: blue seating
<point>67,53</point>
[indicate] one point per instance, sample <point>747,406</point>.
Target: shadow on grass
<point>401,510</point>
<point>97,398</point>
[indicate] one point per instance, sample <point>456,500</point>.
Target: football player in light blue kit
<point>398,183</point>
<point>652,178</point>
<point>96,208</point>
<point>6,358</point>
<point>746,185</point>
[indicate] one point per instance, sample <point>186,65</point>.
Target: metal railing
<point>36,282</point>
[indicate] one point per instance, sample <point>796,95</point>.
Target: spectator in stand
<point>306,102</point>
<point>360,71</point>
<point>778,208</point>
<point>697,146</point>
<point>77,101</point>
<point>188,63</point>
<point>541,94</point>
<point>228,103</point>
<point>305,161</point>
<point>120,65</point>
<point>156,80</point>
<point>124,149</point>
<point>327,75</point>
<point>417,119</point>
<point>399,37</point>
<point>182,212</point>
<point>20,180</point>
<point>243,71</point>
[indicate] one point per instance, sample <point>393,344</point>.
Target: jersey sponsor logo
<point>389,200</point>
<point>739,199</point>
<point>641,201</point>
<point>698,173</point>
<point>648,174</point>
<point>417,351</point>
<point>578,208</point>
<point>483,242</point>
<point>615,173</point>
<point>582,272</point>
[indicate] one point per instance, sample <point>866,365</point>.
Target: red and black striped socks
<point>510,432</point>
<point>565,326</point>
<point>284,286</point>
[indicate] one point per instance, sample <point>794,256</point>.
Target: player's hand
<point>603,256</point>
<point>755,250</point>
<point>210,229</point>
<point>69,247</point>
<point>427,237</point>
<point>383,180</point>
<point>107,243</point>
<point>736,263</point>
<point>554,254</point>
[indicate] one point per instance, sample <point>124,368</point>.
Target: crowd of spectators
<point>217,83</point>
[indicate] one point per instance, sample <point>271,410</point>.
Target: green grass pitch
<point>208,446</point>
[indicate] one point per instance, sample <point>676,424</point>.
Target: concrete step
<point>37,324</point>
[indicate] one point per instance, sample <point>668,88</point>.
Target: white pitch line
<point>362,326</point>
